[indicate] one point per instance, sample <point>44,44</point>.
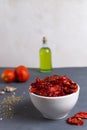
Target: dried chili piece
<point>82,115</point>
<point>75,121</point>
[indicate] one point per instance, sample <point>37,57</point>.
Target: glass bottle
<point>45,57</point>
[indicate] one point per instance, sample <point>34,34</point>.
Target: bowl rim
<point>58,97</point>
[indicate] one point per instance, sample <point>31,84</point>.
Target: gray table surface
<point>27,117</point>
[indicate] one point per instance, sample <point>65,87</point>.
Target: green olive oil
<point>45,57</point>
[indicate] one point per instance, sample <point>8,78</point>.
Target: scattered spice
<point>7,106</point>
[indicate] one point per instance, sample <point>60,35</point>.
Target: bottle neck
<point>44,45</point>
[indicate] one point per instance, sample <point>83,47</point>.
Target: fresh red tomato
<point>8,75</point>
<point>22,73</point>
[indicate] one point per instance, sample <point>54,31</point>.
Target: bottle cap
<point>44,39</point>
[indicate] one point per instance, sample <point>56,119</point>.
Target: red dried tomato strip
<point>53,86</point>
<point>82,115</point>
<point>75,121</point>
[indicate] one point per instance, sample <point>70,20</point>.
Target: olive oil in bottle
<point>45,57</point>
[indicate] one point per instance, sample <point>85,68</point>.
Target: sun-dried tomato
<point>82,115</point>
<point>75,121</point>
<point>53,86</point>
<point>77,118</point>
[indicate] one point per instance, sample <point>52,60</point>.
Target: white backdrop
<point>23,23</point>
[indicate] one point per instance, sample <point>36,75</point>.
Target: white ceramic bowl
<point>55,107</point>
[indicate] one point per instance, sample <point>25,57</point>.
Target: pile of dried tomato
<point>77,119</point>
<point>53,86</point>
